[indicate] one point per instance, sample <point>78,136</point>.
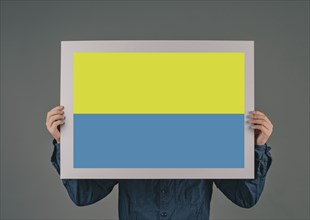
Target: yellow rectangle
<point>158,83</point>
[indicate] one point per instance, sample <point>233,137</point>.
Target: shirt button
<point>163,214</point>
<point>163,191</point>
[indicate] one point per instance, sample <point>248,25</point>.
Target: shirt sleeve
<point>246,192</point>
<point>83,191</point>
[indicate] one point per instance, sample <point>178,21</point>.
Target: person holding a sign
<point>168,198</point>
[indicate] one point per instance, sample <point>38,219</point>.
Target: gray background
<point>31,32</point>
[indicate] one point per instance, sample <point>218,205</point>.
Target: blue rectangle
<point>158,141</point>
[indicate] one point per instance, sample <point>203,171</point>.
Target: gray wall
<point>31,32</point>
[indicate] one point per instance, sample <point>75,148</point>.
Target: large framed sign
<point>157,109</point>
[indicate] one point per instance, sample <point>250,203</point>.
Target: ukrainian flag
<point>158,109</point>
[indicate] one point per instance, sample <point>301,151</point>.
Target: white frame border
<point>66,99</point>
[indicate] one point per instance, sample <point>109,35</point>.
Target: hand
<point>263,127</point>
<point>54,119</point>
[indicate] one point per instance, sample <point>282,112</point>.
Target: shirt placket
<point>164,199</point>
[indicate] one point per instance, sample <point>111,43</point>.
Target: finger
<point>55,131</point>
<point>264,130</point>
<point>56,123</point>
<point>59,107</point>
<point>55,110</point>
<point>261,122</point>
<point>262,117</point>
<point>258,113</point>
<point>55,118</point>
<point>258,116</point>
<point>255,113</point>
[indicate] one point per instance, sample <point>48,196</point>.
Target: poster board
<point>157,109</point>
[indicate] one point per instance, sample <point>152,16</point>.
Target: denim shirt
<point>168,198</point>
